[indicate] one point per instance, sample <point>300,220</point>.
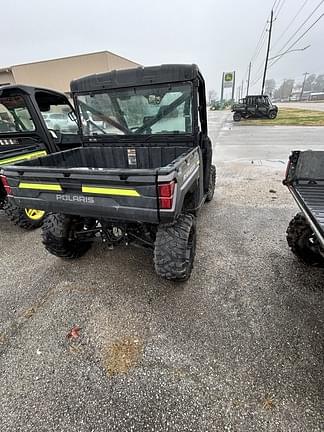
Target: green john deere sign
<point>228,80</point>
<point>229,77</point>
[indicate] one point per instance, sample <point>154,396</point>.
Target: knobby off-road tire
<point>237,116</point>
<point>272,114</point>
<point>299,238</point>
<point>175,248</point>
<point>212,183</point>
<point>20,216</point>
<point>58,238</point>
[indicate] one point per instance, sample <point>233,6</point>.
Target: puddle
<point>274,163</point>
<point>122,355</point>
<point>270,162</point>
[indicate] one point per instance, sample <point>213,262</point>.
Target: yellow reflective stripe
<point>23,157</point>
<point>110,191</point>
<point>40,186</point>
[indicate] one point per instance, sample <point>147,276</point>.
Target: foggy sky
<point>218,35</point>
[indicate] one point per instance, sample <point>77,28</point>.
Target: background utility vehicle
<point>259,106</point>
<point>24,135</point>
<point>305,181</point>
<point>142,174</point>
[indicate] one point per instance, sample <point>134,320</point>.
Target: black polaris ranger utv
<point>305,181</point>
<point>29,128</point>
<point>259,106</point>
<point>142,174</point>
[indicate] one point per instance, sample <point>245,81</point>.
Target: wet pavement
<point>239,142</point>
<point>103,344</point>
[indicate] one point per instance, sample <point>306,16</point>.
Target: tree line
<point>313,83</point>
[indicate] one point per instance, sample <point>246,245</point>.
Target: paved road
<point>237,348</point>
<point>236,141</point>
<point>317,106</point>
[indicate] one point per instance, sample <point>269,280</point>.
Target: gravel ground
<point>239,347</point>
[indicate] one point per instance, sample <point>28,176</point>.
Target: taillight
<point>166,191</point>
<point>6,185</point>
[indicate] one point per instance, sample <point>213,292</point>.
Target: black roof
<point>25,89</point>
<point>147,75</point>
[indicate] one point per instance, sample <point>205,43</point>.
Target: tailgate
<point>128,195</point>
<point>311,199</point>
<point>305,180</point>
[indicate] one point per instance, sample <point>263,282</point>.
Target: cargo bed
<point>105,157</point>
<point>108,182</point>
<point>305,180</point>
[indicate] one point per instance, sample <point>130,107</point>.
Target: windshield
<point>141,110</point>
<point>14,115</point>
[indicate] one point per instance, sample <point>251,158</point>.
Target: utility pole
<point>222,91</point>
<point>242,88</point>
<point>267,56</point>
<point>303,86</point>
<point>248,80</point>
<point>233,86</point>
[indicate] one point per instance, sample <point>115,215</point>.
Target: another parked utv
<point>142,174</point>
<point>24,135</point>
<point>259,106</point>
<point>305,181</point>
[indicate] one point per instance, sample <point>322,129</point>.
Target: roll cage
<point>148,77</point>
<point>37,100</point>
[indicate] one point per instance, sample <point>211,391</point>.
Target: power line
<point>290,24</point>
<point>297,40</point>
<point>256,80</point>
<point>264,39</point>
<point>246,73</point>
<point>302,25</point>
<point>279,8</point>
<point>275,4</point>
<point>263,34</point>
<point>257,73</point>
<point>261,38</point>
<point>291,46</point>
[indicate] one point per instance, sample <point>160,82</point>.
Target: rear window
<point>143,110</point>
<point>14,115</point>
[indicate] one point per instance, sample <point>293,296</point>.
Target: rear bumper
<point>94,207</point>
